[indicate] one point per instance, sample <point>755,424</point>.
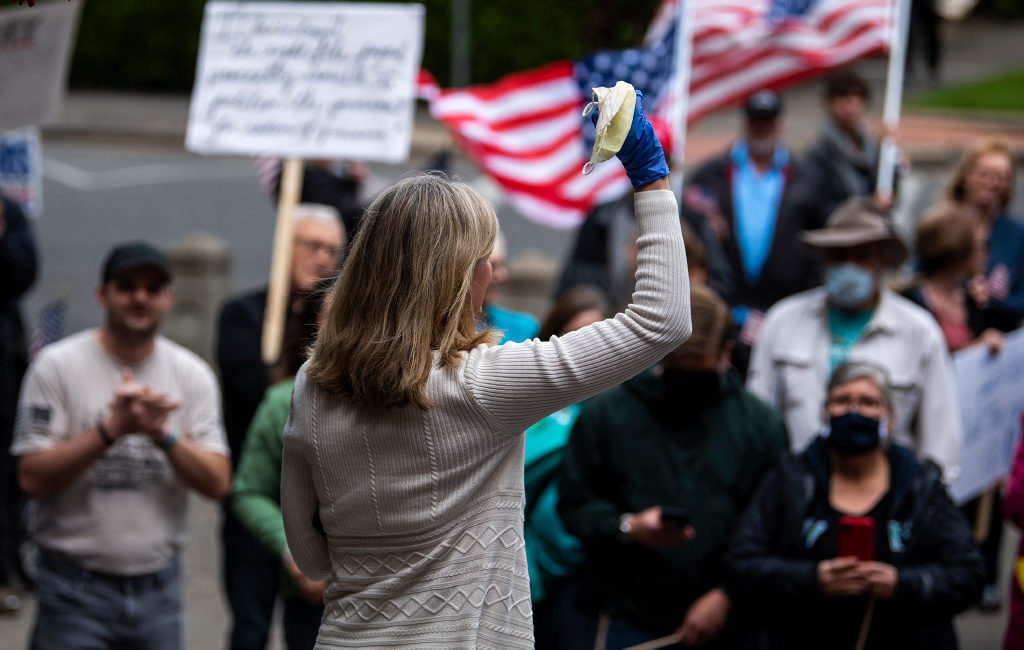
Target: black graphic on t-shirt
<point>133,463</point>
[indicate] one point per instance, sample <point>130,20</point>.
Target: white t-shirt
<point>126,514</point>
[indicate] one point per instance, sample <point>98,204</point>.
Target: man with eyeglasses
<point>251,572</point>
<point>115,425</point>
<point>854,317</point>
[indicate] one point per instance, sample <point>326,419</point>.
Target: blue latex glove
<point>641,154</point>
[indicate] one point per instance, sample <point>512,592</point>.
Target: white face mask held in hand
<point>614,118</point>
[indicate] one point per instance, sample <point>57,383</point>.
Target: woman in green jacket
<point>256,497</point>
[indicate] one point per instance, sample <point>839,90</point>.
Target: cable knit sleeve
<point>519,383</point>
<point>299,502</point>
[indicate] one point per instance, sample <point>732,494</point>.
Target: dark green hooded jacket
<point>668,441</point>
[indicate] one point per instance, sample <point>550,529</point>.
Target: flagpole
<point>893,95</point>
<point>681,107</point>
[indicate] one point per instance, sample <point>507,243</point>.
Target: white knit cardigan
<point>423,511</point>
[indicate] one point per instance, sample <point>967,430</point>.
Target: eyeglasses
<point>848,401</point>
<point>315,247</point>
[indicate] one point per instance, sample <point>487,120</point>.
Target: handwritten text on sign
<point>306,79</point>
<point>991,395</point>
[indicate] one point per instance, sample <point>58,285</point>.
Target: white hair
<point>317,212</point>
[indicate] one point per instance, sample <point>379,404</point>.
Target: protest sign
<point>21,169</point>
<point>991,392</point>
<point>306,79</point>
<point>35,44</point>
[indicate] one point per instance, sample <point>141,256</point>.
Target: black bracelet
<point>104,435</point>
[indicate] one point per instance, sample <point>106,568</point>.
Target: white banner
<point>991,392</point>
<point>21,169</point>
<point>35,48</point>
<point>306,79</point>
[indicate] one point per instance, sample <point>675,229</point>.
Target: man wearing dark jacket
<point>749,206</point>
<point>18,268</point>
<point>844,159</point>
<point>656,472</point>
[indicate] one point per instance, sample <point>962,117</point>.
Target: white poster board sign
<point>991,392</point>
<point>35,48</point>
<point>306,79</point>
<point>21,169</point>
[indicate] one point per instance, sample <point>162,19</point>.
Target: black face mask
<point>853,434</point>
<point>690,385</point>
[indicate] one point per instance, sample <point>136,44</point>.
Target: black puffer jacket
<point>772,570</point>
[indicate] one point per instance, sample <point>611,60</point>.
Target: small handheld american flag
<point>49,325</point>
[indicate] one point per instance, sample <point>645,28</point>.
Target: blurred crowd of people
<point>777,481</point>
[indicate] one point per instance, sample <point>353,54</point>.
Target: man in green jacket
<point>655,475</point>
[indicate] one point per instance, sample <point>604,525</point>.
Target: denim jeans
<point>84,610</point>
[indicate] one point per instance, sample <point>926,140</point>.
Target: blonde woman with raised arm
<point>402,476</point>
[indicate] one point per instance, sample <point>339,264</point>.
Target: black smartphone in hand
<point>675,516</point>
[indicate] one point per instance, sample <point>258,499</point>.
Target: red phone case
<point>857,538</point>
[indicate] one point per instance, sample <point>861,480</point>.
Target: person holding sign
<point>402,473</point>
<point>854,539</point>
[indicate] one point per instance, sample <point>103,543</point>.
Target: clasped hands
<point>848,576</point>
<point>136,408</point>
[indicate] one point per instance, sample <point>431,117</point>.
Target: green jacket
<point>650,443</point>
<point>256,497</point>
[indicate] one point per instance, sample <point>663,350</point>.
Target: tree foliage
<point>151,46</point>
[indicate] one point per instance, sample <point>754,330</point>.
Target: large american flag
<point>525,130</point>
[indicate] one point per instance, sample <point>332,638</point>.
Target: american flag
<point>525,130</point>
<point>999,282</point>
<point>49,325</point>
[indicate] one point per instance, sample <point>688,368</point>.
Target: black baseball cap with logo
<point>764,104</point>
<point>132,255</point>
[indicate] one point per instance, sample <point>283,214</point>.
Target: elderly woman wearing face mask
<point>804,576</point>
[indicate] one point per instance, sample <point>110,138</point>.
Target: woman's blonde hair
<point>956,190</point>
<point>405,291</point>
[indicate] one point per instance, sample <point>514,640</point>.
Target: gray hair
<point>853,370</point>
<point>317,212</point>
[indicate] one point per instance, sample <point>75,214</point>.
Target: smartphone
<point>675,516</point>
<point>857,538</point>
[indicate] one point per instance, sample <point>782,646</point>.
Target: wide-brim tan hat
<point>857,222</point>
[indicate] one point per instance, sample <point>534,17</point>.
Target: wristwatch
<point>625,527</point>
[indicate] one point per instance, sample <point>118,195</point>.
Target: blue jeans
<point>85,610</point>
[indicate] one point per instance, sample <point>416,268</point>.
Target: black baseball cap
<point>133,255</point>
<point>764,104</point>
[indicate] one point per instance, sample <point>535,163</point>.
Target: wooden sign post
<point>280,284</point>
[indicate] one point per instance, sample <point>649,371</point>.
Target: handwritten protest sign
<point>991,392</point>
<point>35,47</point>
<point>306,79</point>
<point>21,177</point>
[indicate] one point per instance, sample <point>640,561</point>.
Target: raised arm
<point>517,384</point>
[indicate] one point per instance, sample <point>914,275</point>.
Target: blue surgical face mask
<point>849,285</point>
<point>852,434</point>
